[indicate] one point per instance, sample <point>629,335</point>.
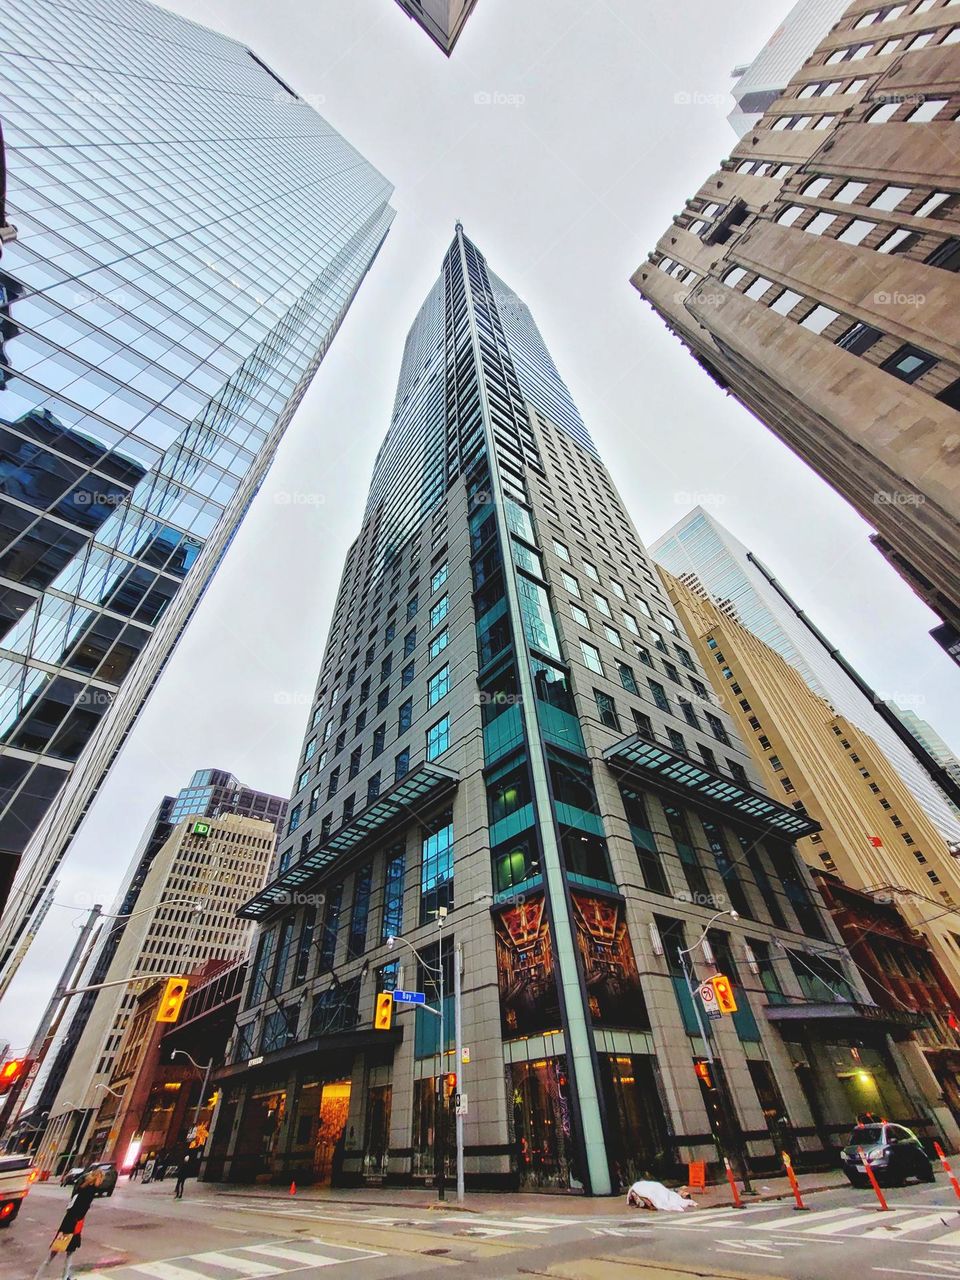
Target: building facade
<point>514,766</point>
<point>209,794</point>
<point>186,915</point>
<point>705,556</point>
<point>902,972</point>
<point>814,276</point>
<point>872,832</point>
<point>761,82</point>
<point>927,735</point>
<point>189,239</point>
<point>442,20</point>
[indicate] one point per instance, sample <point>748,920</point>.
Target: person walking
<point>68,1238</point>
<point>185,1169</point>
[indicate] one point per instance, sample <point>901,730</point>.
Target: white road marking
<point>919,1223</point>
<point>242,1266</point>
<point>316,1259</point>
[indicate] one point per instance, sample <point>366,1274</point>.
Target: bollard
<point>947,1170</point>
<point>884,1207</point>
<point>737,1202</point>
<point>293,1188</point>
<point>788,1165</point>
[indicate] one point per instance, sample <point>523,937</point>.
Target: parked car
<point>16,1175</point>
<point>108,1170</point>
<point>893,1152</point>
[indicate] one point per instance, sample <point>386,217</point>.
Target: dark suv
<point>893,1153</point>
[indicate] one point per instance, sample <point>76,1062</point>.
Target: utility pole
<point>458,1049</point>
<point>51,1018</point>
<point>440,1100</point>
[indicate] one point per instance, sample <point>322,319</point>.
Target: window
<point>383,697</point>
<point>355,757</point>
<point>439,643</point>
<point>357,937</point>
<point>392,922</point>
<point>931,204</point>
<point>785,302</point>
<point>659,695</point>
<point>580,616</point>
<point>386,666</point>
<point>438,612</point>
<point>613,637</point>
<point>438,738</point>
<point>407,674</point>
<point>412,607</point>
<point>859,338</point>
<point>946,255</point>
<point>373,787</point>
<point>401,764</point>
<point>409,642</point>
<point>818,319</point>
<point>439,686</point>
<point>821,223</point>
<point>436,867</point>
<point>630,622</point>
<point>816,186</point>
<point>889,197</point>
<point>677,741</point>
<point>334,782</point>
<point>439,578</point>
<point>602,605</point>
<point>606,709</point>
<point>689,713</point>
<point>561,551</point>
<point>850,191</point>
<point>716,728</point>
<point>627,678</point>
<point>571,584</point>
<point>591,570</point>
<point>856,231</point>
<point>405,716</point>
<point>591,658</point>
<point>882,113</point>
<point>331,924</point>
<point>617,590</point>
<point>927,110</point>
<point>908,363</point>
<point>709,759</point>
<point>642,723</point>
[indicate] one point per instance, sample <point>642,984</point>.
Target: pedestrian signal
<point>383,1012</point>
<point>172,1000</point>
<point>10,1072</point>
<point>726,1002</point>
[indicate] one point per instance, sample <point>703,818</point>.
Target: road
<point>142,1233</point>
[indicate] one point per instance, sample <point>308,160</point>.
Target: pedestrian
<point>68,1238</point>
<point>187,1168</point>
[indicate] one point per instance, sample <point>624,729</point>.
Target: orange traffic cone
<point>293,1188</point>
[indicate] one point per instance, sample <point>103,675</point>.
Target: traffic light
<point>383,1011</point>
<point>10,1072</point>
<point>703,1071</point>
<point>726,1002</point>
<point>449,1084</point>
<point>172,1000</point>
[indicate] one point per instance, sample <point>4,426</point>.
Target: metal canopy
<point>845,1016</point>
<point>640,755</point>
<point>407,799</point>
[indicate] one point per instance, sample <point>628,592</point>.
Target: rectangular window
<point>373,787</point>
<point>627,678</point>
<point>439,686</point>
<point>580,616</point>
<point>355,757</point>
<point>602,605</point>
<point>409,642</point>
<point>659,695</point>
<point>401,764</point>
<point>331,924</point>
<point>607,709</point>
<point>439,643</point>
<point>439,611</point>
<point>571,584</point>
<point>405,716</point>
<point>411,608</point>
<point>438,738</point>
<point>716,728</point>
<point>357,937</point>
<point>560,551</point>
<point>392,923</point>
<point>439,578</point>
<point>591,657</point>
<point>407,674</point>
<point>436,868</point>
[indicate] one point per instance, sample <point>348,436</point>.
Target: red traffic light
<point>11,1071</point>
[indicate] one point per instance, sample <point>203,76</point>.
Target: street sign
<point>409,997</point>
<point>465,1056</point>
<point>460,1100</point>
<point>708,998</point>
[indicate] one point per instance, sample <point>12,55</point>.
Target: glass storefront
<point>540,1124</point>
<point>639,1142</point>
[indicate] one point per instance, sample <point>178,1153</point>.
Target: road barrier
<point>947,1170</point>
<point>884,1207</point>
<point>737,1202</point>
<point>788,1165</point>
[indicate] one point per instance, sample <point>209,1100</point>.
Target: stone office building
<point>510,725</point>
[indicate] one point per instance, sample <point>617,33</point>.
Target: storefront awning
<point>642,758</point>
<point>317,1051</point>
<point>408,799</point>
<point>843,1018</point>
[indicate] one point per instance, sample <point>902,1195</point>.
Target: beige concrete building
<point>874,834</point>
<point>814,276</point>
<point>205,870</point>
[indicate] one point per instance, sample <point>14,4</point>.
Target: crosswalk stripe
<point>903,1228</point>
<point>293,1255</point>
<point>951,1238</point>
<point>166,1271</point>
<point>242,1266</point>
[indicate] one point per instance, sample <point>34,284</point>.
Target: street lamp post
<point>708,1052</point>
<point>437,972</point>
<point>182,1053</point>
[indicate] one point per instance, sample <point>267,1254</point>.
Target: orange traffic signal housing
<point>172,1000</point>
<point>449,1084</point>
<point>383,1012</point>
<point>726,1001</point>
<point>11,1071</point>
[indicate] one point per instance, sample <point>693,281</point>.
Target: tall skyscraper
<point>873,833</point>
<point>186,915</point>
<point>762,81</point>
<point>513,765</point>
<point>442,20</point>
<point>812,276</point>
<point>928,737</point>
<point>699,550</point>
<point>211,793</point>
<point>189,238</point>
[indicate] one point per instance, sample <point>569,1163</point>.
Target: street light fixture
<point>708,1051</point>
<point>182,1053</point>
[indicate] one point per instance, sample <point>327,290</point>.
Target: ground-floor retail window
<point>377,1131</point>
<point>541,1124</point>
<point>425,1112</point>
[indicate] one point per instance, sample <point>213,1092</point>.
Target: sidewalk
<point>542,1204</point>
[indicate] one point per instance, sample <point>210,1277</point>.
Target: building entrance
<point>331,1124</point>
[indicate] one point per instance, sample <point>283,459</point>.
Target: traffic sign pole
<point>458,1036</point>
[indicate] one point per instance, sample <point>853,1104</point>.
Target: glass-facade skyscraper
<point>189,236</point>
<point>699,550</point>
<point>513,763</point>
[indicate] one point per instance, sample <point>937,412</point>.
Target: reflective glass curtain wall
<point>190,234</point>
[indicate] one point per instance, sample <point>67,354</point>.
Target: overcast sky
<point>564,180</point>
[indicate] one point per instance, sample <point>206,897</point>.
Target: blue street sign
<point>409,997</point>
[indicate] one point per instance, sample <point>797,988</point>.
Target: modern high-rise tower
<point>189,236</point>
<point>700,551</point>
<point>442,20</point>
<point>814,276</point>
<point>513,765</point>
